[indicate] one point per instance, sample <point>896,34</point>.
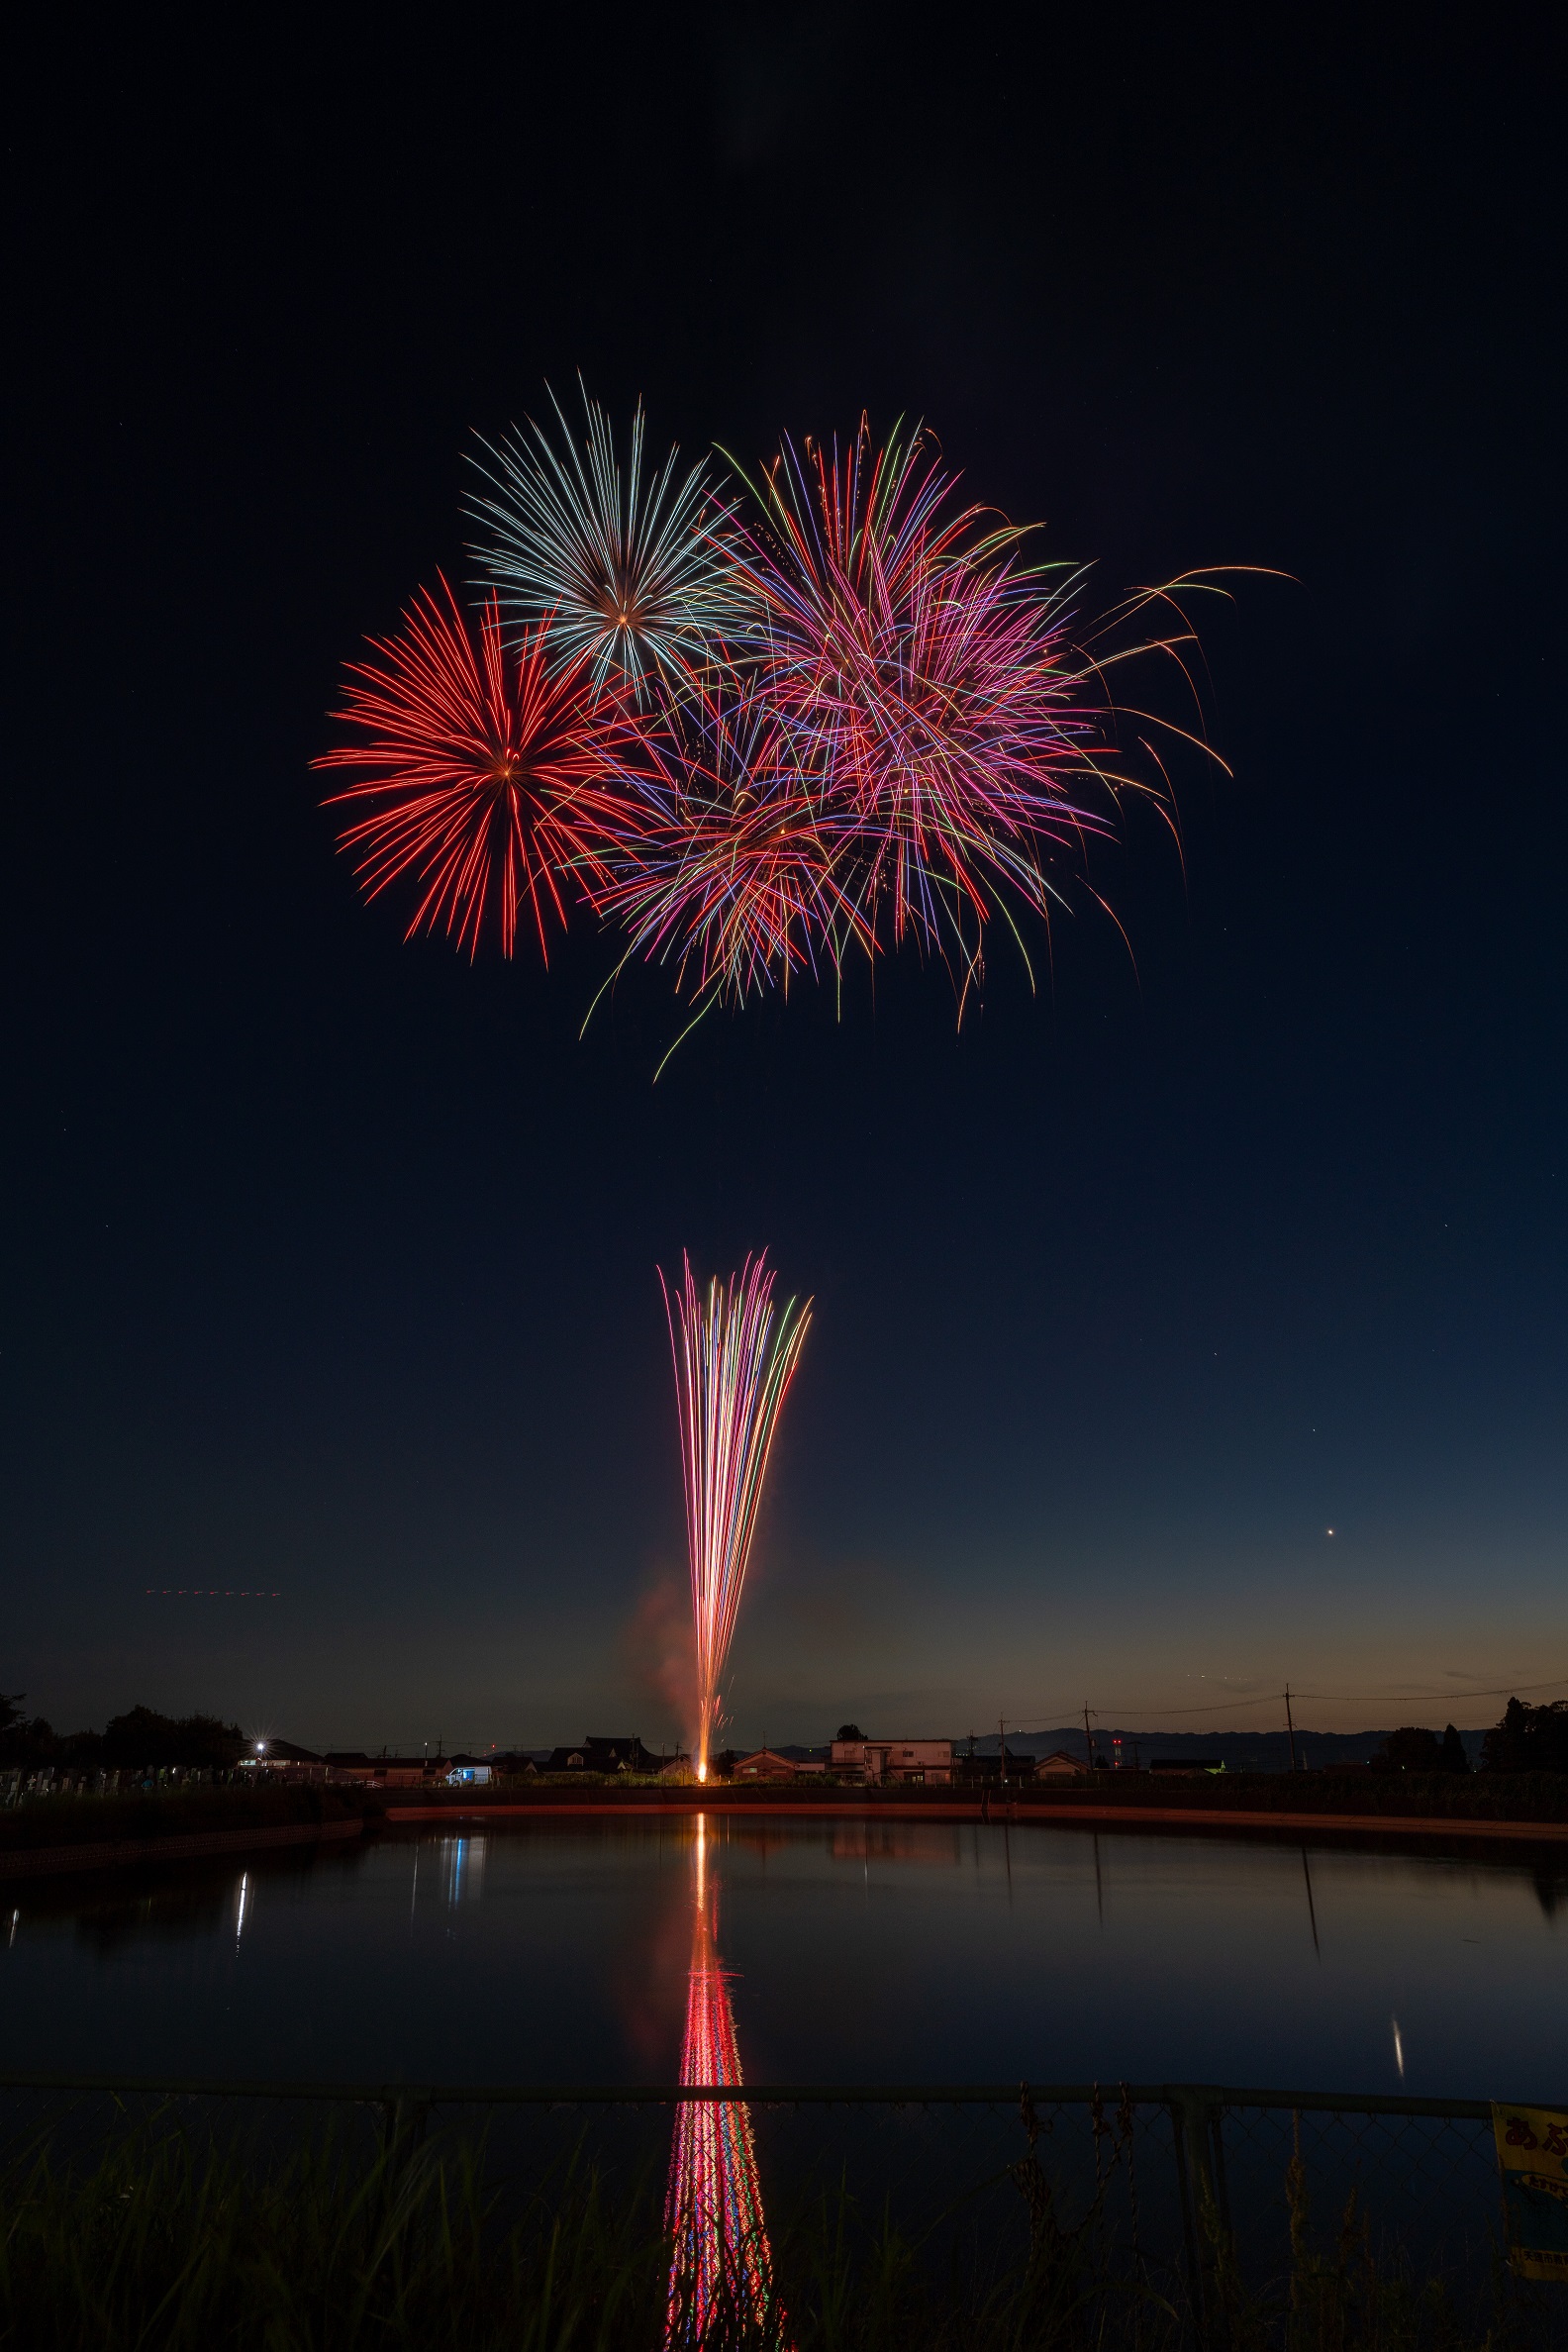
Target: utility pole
<point>1088,1737</point>
<point>1290,1727</point>
<point>1002,1745</point>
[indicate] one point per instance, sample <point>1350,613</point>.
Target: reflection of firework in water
<point>722,2268</point>
<point>735,1358</point>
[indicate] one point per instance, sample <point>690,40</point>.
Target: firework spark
<point>734,1357</point>
<point>634,566</point>
<point>486,775</point>
<point>722,2267</point>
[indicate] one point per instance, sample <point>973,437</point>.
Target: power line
<point>1058,1722</point>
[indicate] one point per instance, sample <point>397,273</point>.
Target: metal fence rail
<point>1211,2095</point>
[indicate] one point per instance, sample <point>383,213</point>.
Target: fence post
<point>1193,2118</point>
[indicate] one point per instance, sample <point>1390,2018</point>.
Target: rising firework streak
<point>734,1357</point>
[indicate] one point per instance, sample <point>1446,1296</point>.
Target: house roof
<point>600,1754</point>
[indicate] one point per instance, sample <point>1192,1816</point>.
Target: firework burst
<point>485,775</point>
<point>732,872</point>
<point>734,1357</point>
<point>632,566</point>
<point>760,734</point>
<point>959,749</point>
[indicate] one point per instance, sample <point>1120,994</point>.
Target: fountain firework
<point>721,2266</point>
<point>734,1357</point>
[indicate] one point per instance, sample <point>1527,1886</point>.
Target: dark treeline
<point>1413,1749</point>
<point>1526,1739</point>
<point>126,1743</point>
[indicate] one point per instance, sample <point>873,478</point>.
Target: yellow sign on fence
<point>1532,2154</point>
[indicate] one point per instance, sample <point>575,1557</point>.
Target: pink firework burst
<point>484,778</point>
<point>957,745</point>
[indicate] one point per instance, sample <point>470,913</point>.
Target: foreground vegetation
<point>134,1815</point>
<point>164,2246</point>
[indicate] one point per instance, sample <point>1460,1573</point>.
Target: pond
<point>845,1952</point>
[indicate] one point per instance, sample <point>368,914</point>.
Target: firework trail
<point>722,2267</point>
<point>735,1358</point>
<point>486,777</point>
<point>633,567</point>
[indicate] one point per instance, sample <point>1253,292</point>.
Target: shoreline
<point>1011,1813</point>
<point>89,1856</point>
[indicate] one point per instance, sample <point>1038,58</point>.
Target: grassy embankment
<point>170,2246</point>
<point>129,1819</point>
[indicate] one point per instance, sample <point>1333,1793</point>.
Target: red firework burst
<point>484,778</point>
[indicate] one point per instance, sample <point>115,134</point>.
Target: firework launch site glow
<point>734,1357</point>
<point>755,734</point>
<point>721,2268</point>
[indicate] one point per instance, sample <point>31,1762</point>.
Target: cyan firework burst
<point>630,566</point>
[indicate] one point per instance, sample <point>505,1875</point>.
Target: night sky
<point>330,1261</point>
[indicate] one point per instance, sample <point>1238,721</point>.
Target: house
<point>595,1754</point>
<point>766,1765</point>
<point>351,1767</point>
<point>920,1762</point>
<point>280,1759</point>
<point>985,1771</point>
<point>1059,1765</point>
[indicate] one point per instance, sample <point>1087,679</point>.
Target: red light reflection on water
<point>722,2270</point>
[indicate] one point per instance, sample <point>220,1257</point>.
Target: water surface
<point>856,1952</point>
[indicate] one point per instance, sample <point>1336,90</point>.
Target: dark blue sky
<point>330,1262</point>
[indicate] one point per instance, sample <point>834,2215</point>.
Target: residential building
<point>766,1765</point>
<point>351,1767</point>
<point>595,1754</point>
<point>985,1771</point>
<point>920,1762</point>
<point>1059,1765</point>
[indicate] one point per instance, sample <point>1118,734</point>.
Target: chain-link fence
<point>1209,2215</point>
